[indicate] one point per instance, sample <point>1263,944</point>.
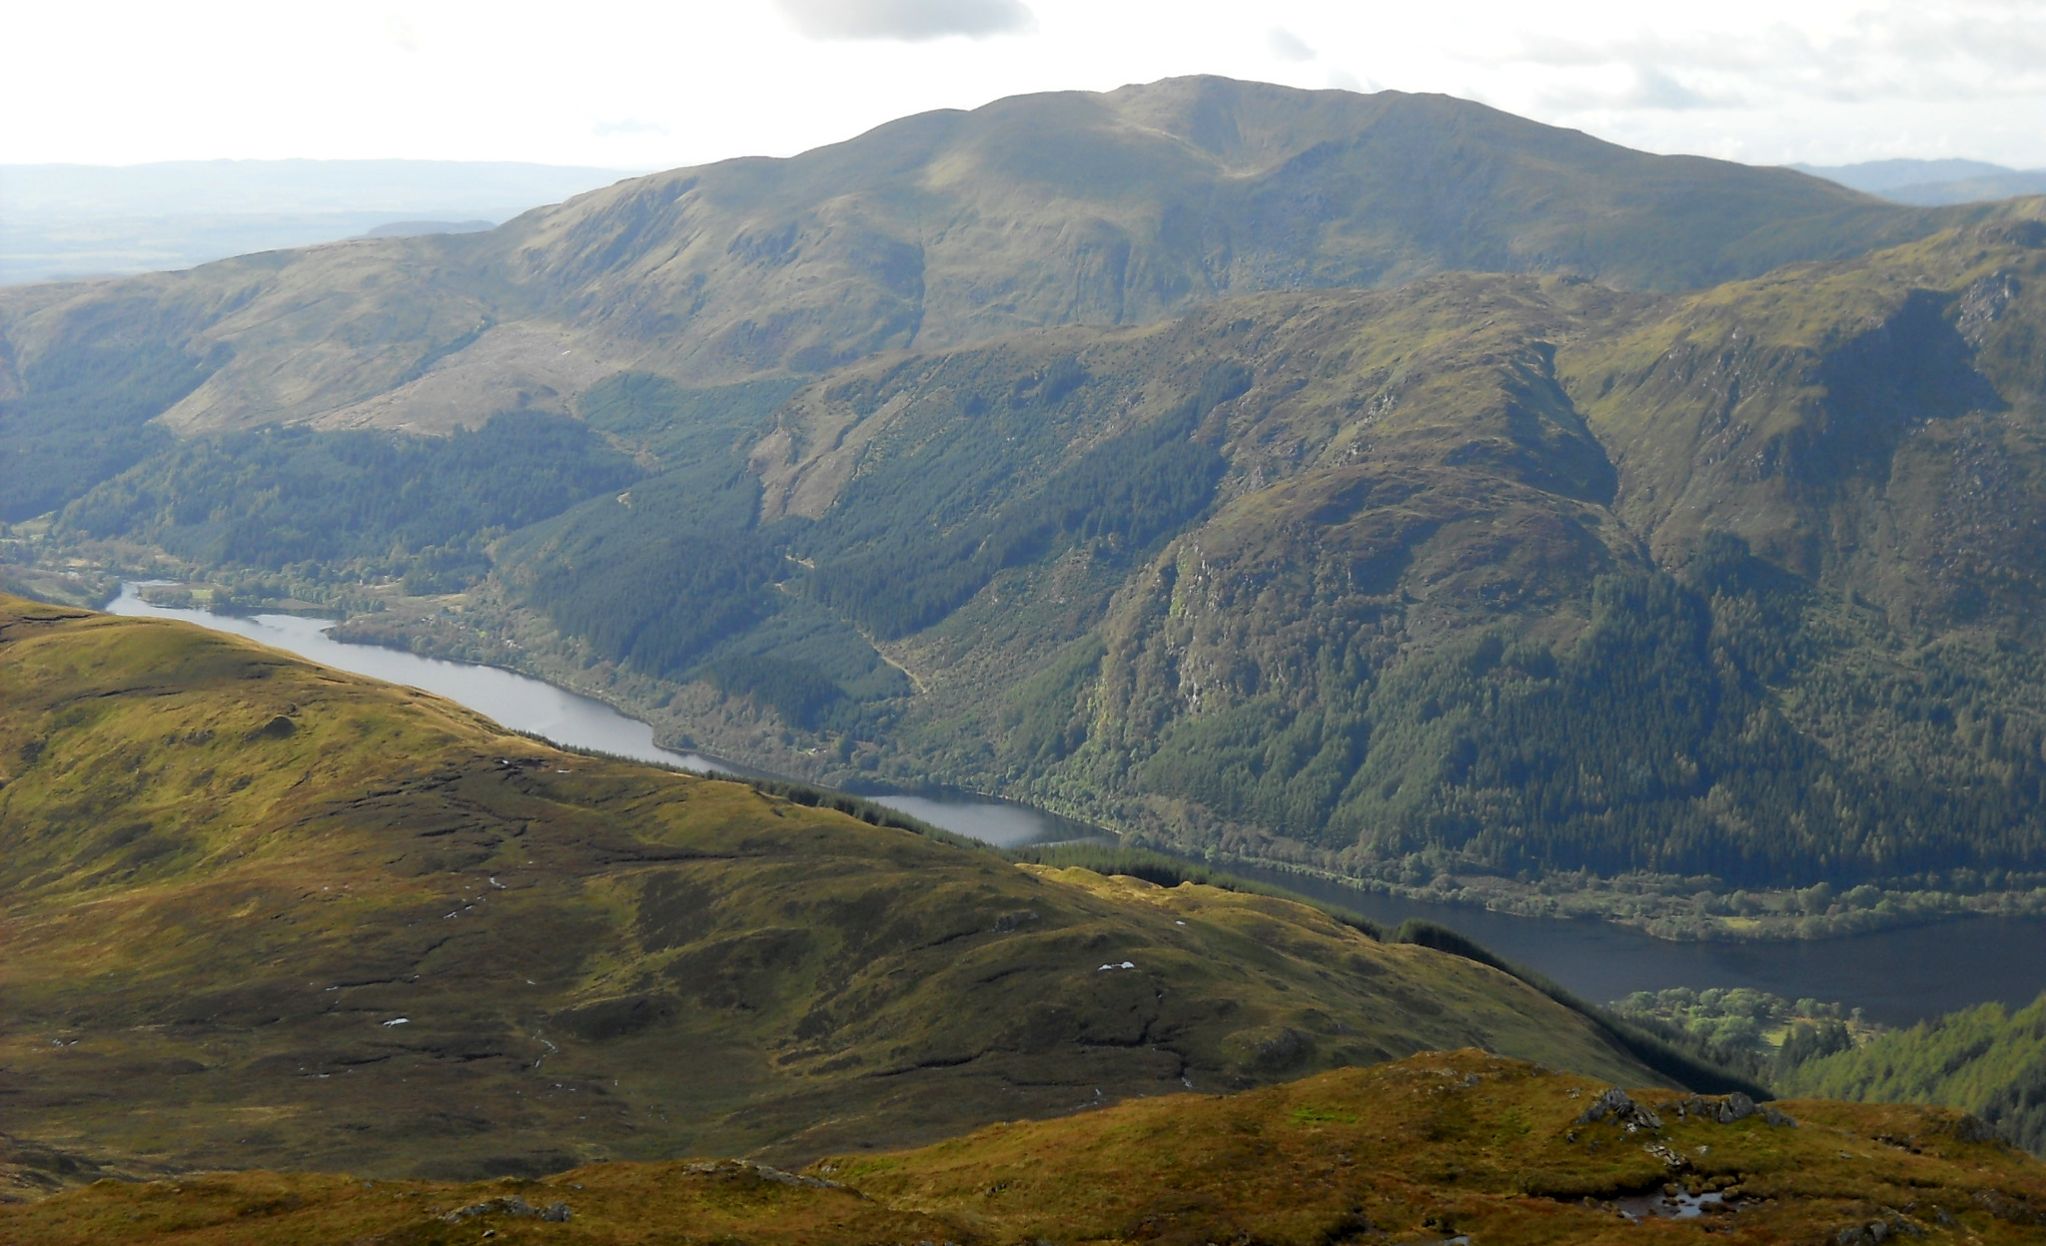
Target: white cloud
<point>629,127</point>
<point>910,20</point>
<point>1287,46</point>
<point>1344,80</point>
<point>629,84</point>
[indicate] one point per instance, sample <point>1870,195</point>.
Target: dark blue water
<point>1897,976</point>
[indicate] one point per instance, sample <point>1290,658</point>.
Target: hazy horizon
<point>625,88</point>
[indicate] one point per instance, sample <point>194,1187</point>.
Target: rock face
<point>1618,1106</point>
<point>513,1206</point>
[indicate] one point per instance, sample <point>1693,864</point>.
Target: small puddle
<point>1678,1206</point>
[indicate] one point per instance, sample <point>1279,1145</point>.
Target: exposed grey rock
<point>760,1172</point>
<point>1735,1107</point>
<point>1973,1129</point>
<point>1617,1105</point>
<point>511,1205</point>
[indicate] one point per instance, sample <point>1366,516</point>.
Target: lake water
<point>514,700</point>
<point>1898,976</point>
<point>568,718</point>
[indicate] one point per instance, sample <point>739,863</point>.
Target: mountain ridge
<point>941,229</point>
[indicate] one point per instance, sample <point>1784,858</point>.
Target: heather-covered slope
<point>257,912</point>
<point>1450,1147</point>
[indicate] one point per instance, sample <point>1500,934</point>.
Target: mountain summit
<point>934,231</point>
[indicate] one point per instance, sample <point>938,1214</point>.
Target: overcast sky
<point>660,85</point>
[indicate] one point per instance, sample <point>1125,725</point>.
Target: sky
<point>660,85</point>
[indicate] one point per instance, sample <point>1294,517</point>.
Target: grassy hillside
<point>1988,1060</point>
<point>260,912</point>
<point>1437,1148</point>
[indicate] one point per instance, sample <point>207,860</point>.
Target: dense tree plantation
<point>378,504</point>
<point>1990,1061</point>
<point>83,414</point>
<point>657,574</point>
<point>898,573</point>
<point>1630,748</point>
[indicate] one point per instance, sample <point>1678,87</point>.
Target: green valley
<point>1667,570</point>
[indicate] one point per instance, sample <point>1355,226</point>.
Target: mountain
<point>934,231</point>
<point>259,912</point>
<point>1149,455</point>
<point>63,221</point>
<point>1974,189</point>
<point>1526,574</point>
<point>1449,1147</point>
<point>1933,182</point>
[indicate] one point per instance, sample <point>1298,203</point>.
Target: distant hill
<point>414,229</point>
<point>944,229</point>
<point>1934,182</point>
<point>59,221</point>
<point>1975,189</point>
<point>1878,177</point>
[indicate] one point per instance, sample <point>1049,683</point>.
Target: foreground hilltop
<point>1457,1147</point>
<point>261,913</point>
